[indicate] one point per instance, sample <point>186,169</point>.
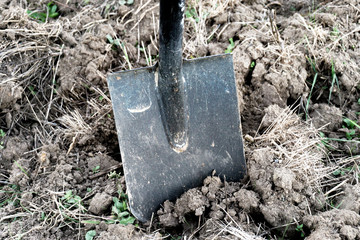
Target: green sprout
<point>351,126</point>
<point>299,228</point>
<point>113,174</point>
<point>126,2</point>
<point>70,200</point>
<point>96,169</point>
<point>334,79</point>
<point>335,32</point>
<point>231,46</point>
<point>90,235</point>
<point>313,65</point>
<point>32,90</point>
<point>2,135</point>
<point>191,13</point>
<point>51,12</point>
<point>120,211</point>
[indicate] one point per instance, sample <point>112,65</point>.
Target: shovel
<point>177,121</point>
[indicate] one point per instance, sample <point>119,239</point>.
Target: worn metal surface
<point>170,78</point>
<point>154,170</point>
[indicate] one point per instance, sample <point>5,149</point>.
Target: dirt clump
<point>327,117</point>
<point>281,187</point>
<point>10,94</point>
<point>340,224</point>
<point>100,203</point>
<point>14,149</point>
<point>350,200</point>
<point>120,232</point>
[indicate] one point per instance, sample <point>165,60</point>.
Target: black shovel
<point>177,121</point>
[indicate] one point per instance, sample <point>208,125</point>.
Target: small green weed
<point>21,168</point>
<point>115,42</point>
<point>299,228</point>
<point>71,201</point>
<point>42,216</point>
<point>32,90</point>
<point>12,195</point>
<point>126,2</point>
<point>190,12</point>
<point>2,135</point>
<point>335,32</point>
<point>120,211</point>
<point>116,45</point>
<point>231,46</point>
<point>51,12</point>
<point>96,169</point>
<point>113,174</point>
<point>342,171</point>
<point>90,235</point>
<point>334,79</point>
<point>325,141</point>
<point>333,205</point>
<point>351,126</point>
<point>252,65</point>
<point>313,66</point>
<point>175,238</point>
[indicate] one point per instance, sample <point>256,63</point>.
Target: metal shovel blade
<point>154,170</point>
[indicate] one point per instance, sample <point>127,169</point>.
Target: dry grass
<point>231,230</point>
<point>298,146</point>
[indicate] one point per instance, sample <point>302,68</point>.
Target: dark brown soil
<point>297,71</point>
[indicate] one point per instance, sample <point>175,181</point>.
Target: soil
<point>297,71</point>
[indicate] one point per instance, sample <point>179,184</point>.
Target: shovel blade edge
<point>154,171</point>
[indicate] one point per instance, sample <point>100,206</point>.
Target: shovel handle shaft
<point>171,33</point>
<point>170,80</point>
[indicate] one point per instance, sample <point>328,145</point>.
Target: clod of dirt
<point>213,193</point>
<point>14,149</point>
<point>283,181</point>
<point>102,161</point>
<point>248,200</point>
<point>326,19</point>
<point>26,199</point>
<point>167,217</point>
<point>351,198</point>
<point>100,203</point>
<point>90,58</point>
<point>10,93</point>
<point>271,113</point>
<point>341,222</point>
<point>279,212</point>
<point>211,187</point>
<point>120,232</point>
<point>191,201</point>
<point>283,178</point>
<point>324,233</point>
<point>324,115</point>
<point>20,172</point>
<point>352,148</point>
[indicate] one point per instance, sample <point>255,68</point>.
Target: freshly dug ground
<point>297,72</point>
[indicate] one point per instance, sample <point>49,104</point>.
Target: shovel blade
<point>154,171</point>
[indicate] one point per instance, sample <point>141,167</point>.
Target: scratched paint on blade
<point>139,101</point>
